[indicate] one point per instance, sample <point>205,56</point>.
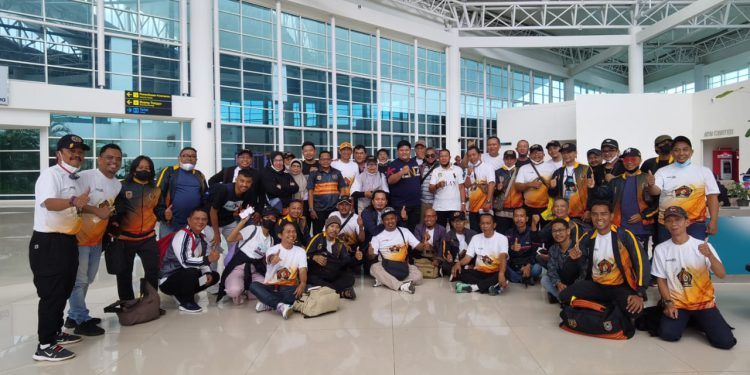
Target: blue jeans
<point>697,230</point>
<point>272,295</point>
<point>550,287</point>
<point>516,277</point>
<point>88,265</point>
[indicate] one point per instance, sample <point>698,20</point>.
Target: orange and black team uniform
<point>629,194</point>
<point>611,276</point>
<point>136,215</point>
<point>572,184</point>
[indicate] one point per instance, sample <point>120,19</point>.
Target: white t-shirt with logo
<point>348,171</point>
<point>286,271</point>
<point>54,182</point>
<point>392,246</point>
<point>688,273</point>
<point>686,187</point>
<point>604,268</point>
<point>103,192</point>
<point>494,161</point>
<point>257,246</point>
<point>488,251</point>
<point>448,198</point>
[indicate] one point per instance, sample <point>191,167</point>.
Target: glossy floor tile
<point>434,331</point>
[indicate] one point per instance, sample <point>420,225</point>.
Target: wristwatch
<point>72,201</point>
<point>667,301</point>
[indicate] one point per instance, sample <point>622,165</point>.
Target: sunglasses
<point>430,155</point>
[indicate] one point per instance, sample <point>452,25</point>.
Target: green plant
<point>738,191</point>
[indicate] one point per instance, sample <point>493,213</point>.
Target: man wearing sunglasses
<point>425,170</point>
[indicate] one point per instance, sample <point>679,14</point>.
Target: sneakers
<point>348,293</point>
<point>53,353</point>
<point>376,284</point>
<point>408,287</point>
<point>70,323</point>
<point>89,328</point>
<point>190,307</point>
<point>495,290</point>
<point>66,338</point>
<point>260,307</point>
<point>285,310</point>
<point>463,288</point>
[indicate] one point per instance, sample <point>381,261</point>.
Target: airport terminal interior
<point>222,76</point>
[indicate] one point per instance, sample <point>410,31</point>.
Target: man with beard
<point>533,181</point>
<point>426,170</point>
<point>594,157</point>
<point>611,166</point>
<point>447,183</point>
<point>480,182</point>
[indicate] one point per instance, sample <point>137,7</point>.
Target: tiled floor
<point>383,332</point>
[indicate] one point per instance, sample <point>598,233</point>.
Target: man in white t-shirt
<point>493,157</point>
<point>491,252</point>
<point>533,181</point>
<point>392,244</point>
<point>480,182</point>
<point>553,150</point>
<point>692,187</point>
<point>447,183</point>
<point>59,202</point>
<point>104,189</point>
<point>348,168</point>
<point>352,228</point>
<point>286,274</point>
<point>682,266</point>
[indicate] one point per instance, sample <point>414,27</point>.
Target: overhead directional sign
<point>148,103</point>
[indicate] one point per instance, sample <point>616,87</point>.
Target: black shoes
<point>89,328</point>
<point>66,338</point>
<point>70,323</point>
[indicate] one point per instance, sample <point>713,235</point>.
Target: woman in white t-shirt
<point>286,274</point>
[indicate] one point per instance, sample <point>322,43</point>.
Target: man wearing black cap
<point>572,182</point>
<point>507,197</point>
<point>634,208</point>
<point>690,186</point>
<point>533,181</point>
<point>663,148</point>
<point>682,267</point>
<point>594,157</point>
<point>456,242</point>
<point>611,166</point>
<point>553,150</point>
<point>60,200</point>
<point>405,185</point>
<point>352,230</point>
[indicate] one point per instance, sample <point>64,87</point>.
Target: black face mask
<point>142,175</point>
<point>631,171</point>
<point>268,224</point>
<point>665,149</point>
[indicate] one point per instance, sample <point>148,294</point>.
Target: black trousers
<point>484,280</point>
<point>413,215</point>
<point>149,254</point>
<point>589,290</point>
<point>345,280</point>
<point>319,223</point>
<point>54,263</point>
<point>444,217</point>
<point>710,321</point>
<point>503,224</point>
<point>184,284</point>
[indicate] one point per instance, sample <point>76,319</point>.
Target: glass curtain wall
<point>19,163</point>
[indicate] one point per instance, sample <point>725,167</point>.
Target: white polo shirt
<point>54,182</point>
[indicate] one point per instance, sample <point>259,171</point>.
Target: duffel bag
<point>317,301</point>
<point>594,319</point>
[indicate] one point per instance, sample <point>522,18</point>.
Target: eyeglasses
<point>559,230</point>
<point>430,155</point>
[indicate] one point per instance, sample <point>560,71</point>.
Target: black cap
<point>458,215</point>
<point>388,211</point>
<point>609,142</point>
<point>594,151</point>
<point>345,200</point>
<point>288,155</point>
<point>631,152</point>
<point>536,147</point>
<point>509,154</point>
<point>675,211</point>
<point>568,147</point>
<point>71,141</point>
<point>553,143</point>
<point>662,138</point>
<point>244,151</point>
<point>269,210</point>
<point>683,139</point>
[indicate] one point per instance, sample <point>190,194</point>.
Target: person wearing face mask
<point>507,197</point>
<point>278,185</point>
<point>533,180</point>
<point>689,186</point>
<point>634,208</point>
<point>366,183</point>
<point>248,263</point>
<point>663,148</point>
<point>522,149</point>
<point>182,188</point>
<point>611,166</point>
<point>60,200</point>
<point>244,160</point>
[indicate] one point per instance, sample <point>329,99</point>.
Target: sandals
<point>348,293</point>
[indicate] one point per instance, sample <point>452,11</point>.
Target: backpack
<point>140,310</point>
<point>317,301</point>
<point>596,320</point>
<point>163,244</point>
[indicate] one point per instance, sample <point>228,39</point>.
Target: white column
<point>378,95</point>
<point>453,99</point>
<point>570,89</point>
<point>202,52</point>
<point>635,64</point>
<point>184,82</point>
<point>699,77</point>
<point>101,63</point>
<point>279,81</point>
<point>334,93</point>
<point>416,90</point>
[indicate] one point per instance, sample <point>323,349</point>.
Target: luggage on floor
<point>596,320</point>
<point>317,301</point>
<point>140,310</point>
<point>429,271</point>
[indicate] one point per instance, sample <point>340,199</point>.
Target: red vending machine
<point>726,164</point>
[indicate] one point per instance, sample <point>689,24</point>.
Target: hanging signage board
<point>148,103</point>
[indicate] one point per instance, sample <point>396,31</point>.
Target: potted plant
<point>738,191</point>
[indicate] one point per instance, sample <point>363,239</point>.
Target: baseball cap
<point>609,142</point>
<point>71,141</point>
<point>509,154</point>
<point>683,139</point>
<point>631,152</point>
<point>332,220</point>
<point>594,151</point>
<point>345,200</point>
<point>288,155</point>
<point>662,138</point>
<point>536,147</point>
<point>568,147</point>
<point>345,145</point>
<point>388,211</point>
<point>675,211</point>
<point>420,143</point>
<point>269,210</point>
<point>553,143</point>
<point>458,215</point>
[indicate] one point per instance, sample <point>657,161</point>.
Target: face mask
<point>268,224</point>
<point>142,175</point>
<point>682,165</point>
<point>665,149</point>
<point>537,162</point>
<point>511,167</point>
<point>631,171</point>
<point>71,169</point>
<point>614,159</point>
<point>187,167</point>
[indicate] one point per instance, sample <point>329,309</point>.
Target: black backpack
<point>593,319</point>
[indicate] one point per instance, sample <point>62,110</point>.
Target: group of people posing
<point>482,219</point>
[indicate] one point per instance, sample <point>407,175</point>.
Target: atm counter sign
<point>148,103</point>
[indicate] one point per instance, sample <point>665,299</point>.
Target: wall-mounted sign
<point>718,133</point>
<point>4,86</point>
<point>148,103</point>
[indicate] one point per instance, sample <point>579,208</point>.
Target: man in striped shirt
<point>325,186</point>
